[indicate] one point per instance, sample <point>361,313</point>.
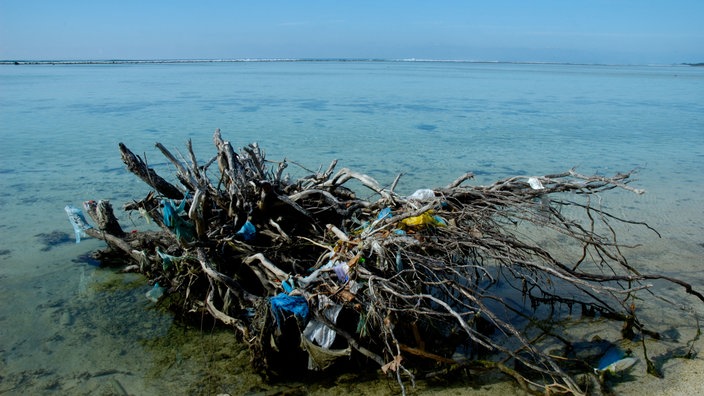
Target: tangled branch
<point>307,269</point>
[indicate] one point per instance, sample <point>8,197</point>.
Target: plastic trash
<point>169,212</point>
<point>247,231</point>
<point>342,270</point>
<point>384,213</point>
<point>321,358</point>
<point>439,221</point>
<point>367,226</point>
<point>425,219</point>
<point>172,219</point>
<point>424,194</point>
<point>317,331</point>
<point>318,338</point>
<point>145,215</point>
<point>155,293</point>
<point>75,216</point>
<point>610,356</point>
<point>167,260</point>
<point>283,303</point>
<point>535,183</point>
<point>615,361</point>
<point>288,285</point>
<point>620,365</point>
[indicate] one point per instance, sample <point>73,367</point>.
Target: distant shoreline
<point>245,60</point>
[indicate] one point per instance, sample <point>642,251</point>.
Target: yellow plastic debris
<point>425,219</point>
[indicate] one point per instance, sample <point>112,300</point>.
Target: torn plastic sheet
<point>75,216</point>
<point>318,332</point>
<point>535,183</point>
<point>321,358</point>
<point>248,231</point>
<point>341,270</point>
<point>281,303</point>
<point>424,194</point>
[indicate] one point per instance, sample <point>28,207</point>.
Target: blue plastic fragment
<point>440,220</point>
<point>612,355</point>
<point>384,213</point>
<point>283,303</point>
<point>169,212</point>
<point>167,259</point>
<point>288,285</point>
<point>172,219</point>
<point>155,293</point>
<point>75,216</point>
<point>615,361</point>
<point>247,231</point>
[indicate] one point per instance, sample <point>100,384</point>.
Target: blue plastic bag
<point>248,231</point>
<point>283,303</point>
<point>615,361</point>
<point>75,216</point>
<point>172,219</point>
<point>384,213</point>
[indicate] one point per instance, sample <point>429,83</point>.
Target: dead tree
<point>306,268</point>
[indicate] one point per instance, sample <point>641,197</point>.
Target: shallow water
<point>62,329</point>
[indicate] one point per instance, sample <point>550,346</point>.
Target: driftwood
<point>306,271</point>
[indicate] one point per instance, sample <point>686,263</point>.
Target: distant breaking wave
<point>236,60</point>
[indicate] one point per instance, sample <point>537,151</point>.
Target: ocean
<point>70,327</point>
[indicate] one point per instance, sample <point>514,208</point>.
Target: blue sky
<point>597,31</point>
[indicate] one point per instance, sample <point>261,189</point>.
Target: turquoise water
<point>433,121</point>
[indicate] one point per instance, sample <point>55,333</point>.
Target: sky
<point>577,31</point>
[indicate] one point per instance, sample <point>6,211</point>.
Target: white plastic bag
<point>424,194</point>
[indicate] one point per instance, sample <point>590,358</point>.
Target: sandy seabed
<point>99,335</point>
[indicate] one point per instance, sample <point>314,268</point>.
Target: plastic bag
<point>384,213</point>
<point>424,194</point>
<point>282,302</point>
<point>535,183</point>
<point>182,228</point>
<point>155,293</point>
<point>248,231</point>
<point>425,219</point>
<point>614,361</point>
<point>341,270</point>
<point>75,216</point>
<point>320,333</point>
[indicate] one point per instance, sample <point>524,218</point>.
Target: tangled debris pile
<point>443,279</point>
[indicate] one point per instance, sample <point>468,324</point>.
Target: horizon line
<point>243,60</point>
